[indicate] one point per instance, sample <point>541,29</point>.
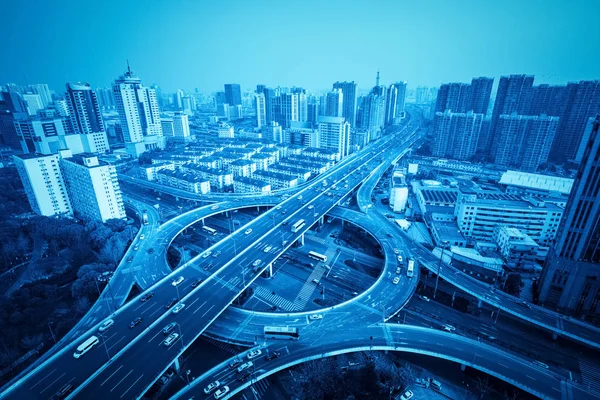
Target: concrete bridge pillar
<point>479,302</point>
<point>176,366</point>
<point>269,271</point>
<point>258,209</point>
<point>202,221</point>
<point>321,220</point>
<point>554,336</point>
<point>463,367</point>
<point>300,240</point>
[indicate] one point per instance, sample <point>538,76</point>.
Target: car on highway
<point>540,364</point>
<point>248,231</point>
<point>244,376</point>
<point>106,325</point>
<point>272,355</point>
<point>398,270</point>
<point>169,328</point>
<point>396,251</point>
<point>268,249</point>
<point>284,211</point>
<point>196,283</point>
<point>137,246</point>
<point>245,366</point>
<point>206,254</point>
<point>524,304</point>
<point>215,207</point>
<point>178,308</point>
<point>315,281</point>
<point>129,259</point>
<point>177,281</point>
<point>388,235</point>
<point>448,328</point>
<point>278,208</point>
<point>171,303</point>
<point>407,395</point>
<point>284,223</point>
<point>315,317</point>
<point>63,392</point>
<point>311,207</point>
<point>146,297</point>
<point>436,385</point>
<point>234,363</point>
<point>256,263</point>
<point>142,236</point>
<point>285,242</point>
<point>216,254</point>
<point>171,339</point>
<point>212,386</point>
<point>424,298</point>
<point>135,322</point>
<point>150,250</point>
<point>396,280</point>
<point>253,354</point>
<point>300,197</point>
<point>399,259</point>
<point>221,392</point>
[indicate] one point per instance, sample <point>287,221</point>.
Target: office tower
<point>106,101</point>
<point>12,101</point>
<point>312,113</point>
<point>188,105</point>
<point>289,109</point>
<point>481,90</point>
<point>178,98</point>
<point>86,118</point>
<point>582,102</point>
<point>334,103</point>
<point>334,134</point>
<point>139,114</point>
<point>181,126</point>
<point>43,91</point>
<point>12,108</point>
<point>549,100</point>
<point>514,94</point>
<point>34,103</point>
<point>46,135</point>
<point>44,184</point>
<point>422,95</point>
<point>400,102</point>
<point>302,107</point>
<point>260,88</point>
<point>260,109</point>
<point>349,101</point>
<point>455,97</point>
<point>220,98</point>
<point>524,141</point>
<point>270,103</point>
<point>372,112</point>
<point>233,94</point>
<point>456,134</point>
<point>391,102</point>
<point>93,188</point>
<point>272,131</point>
<point>571,277</point>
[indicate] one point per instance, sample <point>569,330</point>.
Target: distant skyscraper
<point>44,92</point>
<point>289,109</point>
<point>84,109</point>
<point>372,112</point>
<point>455,97</point>
<point>481,90</point>
<point>233,94</point>
<point>34,103</point>
<point>349,100</point>
<point>571,277</point>
<point>524,141</point>
<point>334,134</point>
<point>334,103</point>
<point>312,113</point>
<point>220,98</point>
<point>272,131</point>
<point>400,102</point>
<point>391,103</point>
<point>139,114</point>
<point>260,109</point>
<point>456,134</point>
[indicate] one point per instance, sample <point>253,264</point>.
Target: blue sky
<point>204,43</point>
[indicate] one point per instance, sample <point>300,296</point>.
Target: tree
<point>482,386</point>
<point>82,305</point>
<point>116,224</point>
<point>513,284</point>
<point>86,283</point>
<point>31,341</point>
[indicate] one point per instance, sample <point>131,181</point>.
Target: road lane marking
<point>530,377</point>
<point>122,379</point>
<point>53,382</point>
<point>206,312</point>
<point>503,365</point>
<point>136,381</point>
<point>111,375</point>
<point>116,343</point>
<point>41,380</point>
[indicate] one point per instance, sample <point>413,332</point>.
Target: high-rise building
<point>12,108</point>
<point>334,103</point>
<point>312,113</point>
<point>34,103</point>
<point>334,134</point>
<point>400,102</point>
<point>93,188</point>
<point>524,142</point>
<point>85,116</point>
<point>260,109</point>
<point>391,99</point>
<point>349,101</point>
<point>571,277</point>
<point>233,94</point>
<point>106,100</point>
<point>455,97</point>
<point>289,109</point>
<point>456,134</point>
<point>139,114</point>
<point>372,112</point>
<point>481,90</point>
<point>272,131</point>
<point>44,184</point>
<point>514,94</point>
<point>43,91</point>
<point>220,98</point>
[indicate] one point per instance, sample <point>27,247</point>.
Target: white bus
<point>317,256</point>
<point>86,346</point>
<point>281,332</point>
<point>297,226</point>
<point>209,230</point>
<point>410,270</point>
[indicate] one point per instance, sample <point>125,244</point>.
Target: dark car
<point>233,364</point>
<point>285,222</point>
<point>216,254</point>
<point>63,392</point>
<point>150,250</point>
<point>135,322</point>
<point>272,355</point>
<point>146,297</point>
<point>244,376</point>
<point>388,234</point>
<point>196,282</point>
<point>171,303</point>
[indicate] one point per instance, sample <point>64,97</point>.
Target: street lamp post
<point>51,332</point>
<point>437,278</point>
<point>105,347</point>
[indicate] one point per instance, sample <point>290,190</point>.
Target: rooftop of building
<point>489,259</point>
<point>537,181</point>
<point>445,195</point>
<point>251,181</point>
<point>276,175</point>
<point>242,163</point>
<point>89,160</point>
<point>448,231</point>
<point>213,171</point>
<point>288,168</point>
<point>184,176</point>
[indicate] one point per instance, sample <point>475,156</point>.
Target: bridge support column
<point>479,302</point>
<point>463,367</point>
<point>300,240</point>
<point>554,336</point>
<point>202,221</point>
<point>269,271</point>
<point>321,220</point>
<point>258,209</point>
<point>176,366</point>
<point>177,199</point>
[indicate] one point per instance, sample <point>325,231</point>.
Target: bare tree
<point>483,386</point>
<point>31,341</point>
<point>514,395</point>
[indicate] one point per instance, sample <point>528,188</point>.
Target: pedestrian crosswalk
<point>307,290</point>
<point>257,390</point>
<point>315,238</point>
<point>590,374</point>
<point>274,299</point>
<point>229,348</point>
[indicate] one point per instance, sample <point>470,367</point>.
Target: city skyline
<point>558,46</point>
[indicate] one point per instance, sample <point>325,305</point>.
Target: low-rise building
<point>398,192</point>
<point>149,172</point>
<point>482,265</point>
<point>517,248</point>
<point>189,182</point>
<point>243,168</point>
<point>276,179</point>
<point>312,167</point>
<point>302,174</point>
<point>219,179</point>
<point>249,185</point>
<point>447,233</point>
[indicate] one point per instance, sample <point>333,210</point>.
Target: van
<point>86,346</point>
<point>436,385</point>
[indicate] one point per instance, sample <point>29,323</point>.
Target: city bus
<point>410,270</point>
<point>281,332</point>
<point>209,230</point>
<point>317,256</point>
<point>86,346</point>
<point>297,226</point>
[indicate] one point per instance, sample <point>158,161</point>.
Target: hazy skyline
<point>188,44</point>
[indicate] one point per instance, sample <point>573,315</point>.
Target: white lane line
<point>53,382</point>
<point>41,380</point>
<point>157,310</point>
<point>122,379</point>
<point>530,377</point>
<point>206,312</point>
<point>111,375</point>
<point>116,343</point>
<point>192,303</point>
<point>136,381</point>
<point>503,365</point>
<point>152,338</point>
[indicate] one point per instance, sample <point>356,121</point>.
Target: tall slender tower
<point>86,118</point>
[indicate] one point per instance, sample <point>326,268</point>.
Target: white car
<point>221,392</point>
<point>106,324</point>
<point>171,339</point>
<point>254,354</point>
<point>142,236</point>
<point>177,281</point>
<point>396,251</point>
<point>300,197</point>
<point>256,263</point>
<point>399,259</point>
<point>207,254</point>
<point>215,207</point>
<point>315,317</point>
<point>212,386</point>
<point>407,395</point>
<point>448,328</point>
<point>396,280</point>
<point>178,308</point>
<point>248,231</point>
<point>278,208</point>
<point>268,249</point>
<point>311,207</point>
<point>245,366</point>
<point>424,298</point>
